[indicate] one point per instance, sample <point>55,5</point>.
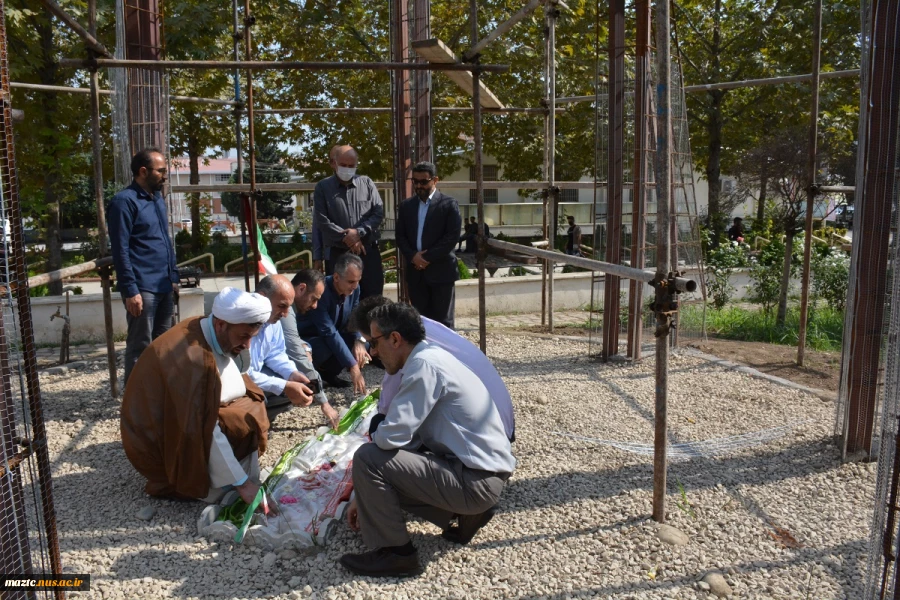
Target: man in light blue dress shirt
<point>440,453</point>
<point>270,366</point>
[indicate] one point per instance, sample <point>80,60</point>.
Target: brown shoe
<point>382,563</point>
<point>468,527</point>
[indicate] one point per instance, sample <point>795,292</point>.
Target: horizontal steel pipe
<point>577,261</point>
<point>269,65</point>
<point>61,274</point>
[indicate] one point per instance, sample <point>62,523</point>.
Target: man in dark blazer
<point>334,347</point>
<point>427,233</point>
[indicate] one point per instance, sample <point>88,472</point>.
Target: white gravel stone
<point>573,521</point>
<point>717,584</point>
<point>672,536</point>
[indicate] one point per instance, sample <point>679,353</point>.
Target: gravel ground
<point>780,520</point>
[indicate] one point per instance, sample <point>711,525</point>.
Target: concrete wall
<point>86,316</point>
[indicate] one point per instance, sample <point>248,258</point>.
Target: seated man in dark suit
<point>427,233</point>
<point>324,328</point>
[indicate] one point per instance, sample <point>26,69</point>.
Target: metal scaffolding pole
<point>664,194</point>
<point>236,36</point>
<point>249,19</point>
<point>97,159</point>
<point>639,190</point>
<point>552,12</point>
<point>615,175</point>
<point>479,185</point>
<point>811,189</point>
<point>269,65</point>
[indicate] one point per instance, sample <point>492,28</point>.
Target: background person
<point>427,232</point>
<point>347,211</point>
<point>143,254</point>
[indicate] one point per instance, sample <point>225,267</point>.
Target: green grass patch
<point>824,330</point>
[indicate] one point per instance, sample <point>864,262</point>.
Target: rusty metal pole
<point>400,105</point>
<point>639,189</point>
<point>236,37</point>
<point>479,184</point>
<point>552,11</point>
<point>811,190</point>
<point>545,194</point>
<point>615,175</point>
<point>97,149</point>
<point>663,191</point>
<point>249,20</point>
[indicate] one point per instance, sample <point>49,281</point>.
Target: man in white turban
<point>192,422</point>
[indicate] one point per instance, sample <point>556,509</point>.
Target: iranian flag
<point>266,264</point>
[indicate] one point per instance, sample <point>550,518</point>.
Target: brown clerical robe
<point>171,406</point>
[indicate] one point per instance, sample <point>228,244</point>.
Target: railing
<point>234,262</point>
<point>290,258</point>
<point>210,255</point>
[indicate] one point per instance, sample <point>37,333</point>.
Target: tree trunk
<point>194,164</point>
<point>49,76</point>
<point>785,279</point>
<point>763,189</point>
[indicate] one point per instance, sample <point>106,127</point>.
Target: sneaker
<point>382,563</point>
<point>468,527</point>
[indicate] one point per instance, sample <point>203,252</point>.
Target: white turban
<point>235,306</point>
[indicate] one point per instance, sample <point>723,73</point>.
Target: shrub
<point>719,263</point>
<point>766,271</point>
<point>464,272</point>
<point>830,276</point>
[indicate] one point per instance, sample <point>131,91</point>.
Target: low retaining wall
<point>86,316</point>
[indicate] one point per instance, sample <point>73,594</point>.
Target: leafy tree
<point>81,211</point>
<point>270,168</point>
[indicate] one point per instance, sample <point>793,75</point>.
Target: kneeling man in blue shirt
<point>441,452</point>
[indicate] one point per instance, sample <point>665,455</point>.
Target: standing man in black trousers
<point>427,233</point>
<point>347,214</point>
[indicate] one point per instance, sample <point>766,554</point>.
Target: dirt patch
<point>821,369</point>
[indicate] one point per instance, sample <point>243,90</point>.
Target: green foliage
<point>720,261</point>
<point>517,272</point>
<point>183,238</point>
<point>824,329</point>
<point>766,273</point>
<point>390,276</point>
<point>830,275</point>
<point>81,211</point>
<point>219,239</point>
<point>270,168</point>
<point>464,272</point>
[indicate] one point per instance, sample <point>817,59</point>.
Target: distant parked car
<point>218,229</point>
<point>186,223</point>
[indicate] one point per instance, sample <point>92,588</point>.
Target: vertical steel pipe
<point>615,175</point>
<point>479,185</point>
<point>97,159</point>
<point>664,192</point>
<point>553,201</point>
<point>811,190</point>
<point>639,189</point>
<point>236,36</point>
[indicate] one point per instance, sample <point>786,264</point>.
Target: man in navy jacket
<point>143,254</point>
<point>325,328</point>
<point>427,233</point>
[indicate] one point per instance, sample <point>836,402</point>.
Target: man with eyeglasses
<point>143,254</point>
<point>347,215</point>
<point>427,233</point>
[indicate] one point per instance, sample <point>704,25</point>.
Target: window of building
<point>223,177</point>
<point>491,173</point>
<point>728,186</point>
<point>568,195</point>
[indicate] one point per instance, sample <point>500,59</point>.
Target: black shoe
<point>468,527</point>
<point>336,382</point>
<point>382,563</point>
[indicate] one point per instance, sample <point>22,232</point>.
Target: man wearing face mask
<point>347,214</point>
<point>427,233</point>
